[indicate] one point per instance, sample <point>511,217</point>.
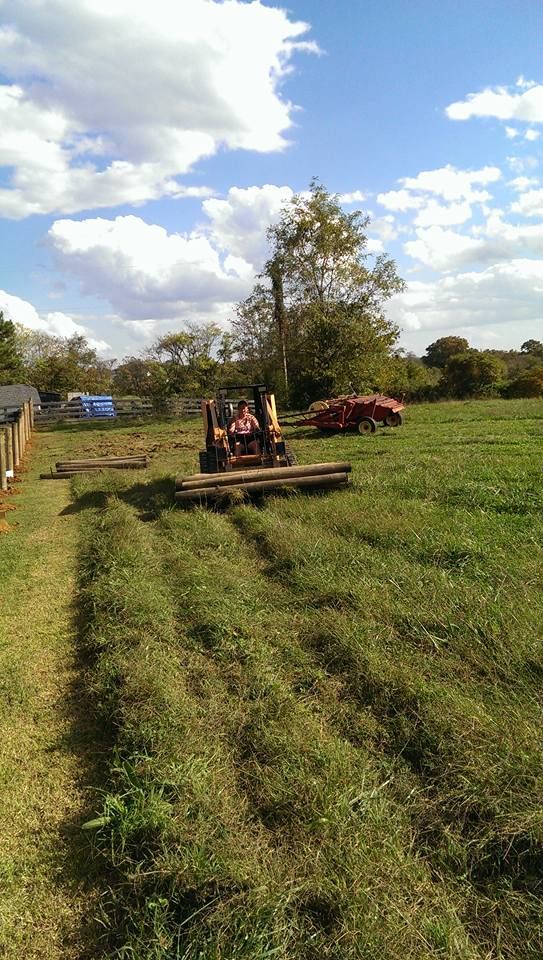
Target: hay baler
<point>361,413</point>
<point>227,464</point>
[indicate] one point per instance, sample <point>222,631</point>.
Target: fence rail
<point>73,410</point>
<point>68,410</point>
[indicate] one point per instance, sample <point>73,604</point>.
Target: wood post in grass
<point>8,430</point>
<point>3,460</point>
<point>16,451</point>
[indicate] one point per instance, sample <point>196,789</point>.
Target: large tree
<point>189,357</point>
<point>62,364</point>
<point>440,351</point>
<point>321,297</point>
<point>472,372</point>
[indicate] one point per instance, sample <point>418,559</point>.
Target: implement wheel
<point>393,420</point>
<point>366,425</point>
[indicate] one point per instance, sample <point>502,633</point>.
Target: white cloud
<point>529,204</point>
<point>400,200</point>
<point>511,133</point>
<point>494,241</point>
<point>506,294</point>
<point>56,323</point>
<point>108,102</point>
<point>501,103</point>
<point>355,197</point>
<point>452,184</point>
<point>532,134</point>
<point>522,165</point>
<point>443,249</point>
<point>146,273</point>
<point>520,184</point>
<point>425,193</point>
<point>437,214</point>
<point>239,223</point>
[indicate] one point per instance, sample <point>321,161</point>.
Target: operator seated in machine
<point>244,428</point>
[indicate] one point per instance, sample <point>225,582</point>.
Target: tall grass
<point>327,708</point>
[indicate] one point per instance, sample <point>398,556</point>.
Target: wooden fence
<point>16,425</point>
<point>72,410</point>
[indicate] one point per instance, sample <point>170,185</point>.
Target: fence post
<point>3,461</point>
<point>16,451</point>
<point>21,428</point>
<point>26,417</point>
<point>31,412</point>
<point>8,428</point>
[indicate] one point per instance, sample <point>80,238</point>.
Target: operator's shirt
<point>246,424</point>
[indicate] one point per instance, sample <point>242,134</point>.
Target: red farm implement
<point>353,413</point>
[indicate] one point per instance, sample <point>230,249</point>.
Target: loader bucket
<point>216,486</point>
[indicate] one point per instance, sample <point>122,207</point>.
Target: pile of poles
<point>214,486</point>
<point>16,426</point>
<point>64,469</point>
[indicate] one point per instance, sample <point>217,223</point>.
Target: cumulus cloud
<point>503,295</point>
<point>145,272</point>
<point>108,102</point>
<point>443,249</point>
<point>522,165</point>
<point>520,184</point>
<point>355,197</point>
<point>438,214</point>
<point>239,222</point>
<point>529,204</point>
<point>441,197</point>
<point>56,323</point>
<point>453,184</point>
<point>494,241</point>
<point>523,102</point>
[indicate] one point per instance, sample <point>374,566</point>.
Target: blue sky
<point>146,146</point>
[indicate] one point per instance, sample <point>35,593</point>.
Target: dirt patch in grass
<point>135,443</point>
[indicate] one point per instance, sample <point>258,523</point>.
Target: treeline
<point>314,326</point>
<point>451,368</point>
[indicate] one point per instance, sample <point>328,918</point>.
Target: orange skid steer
<point>233,465</point>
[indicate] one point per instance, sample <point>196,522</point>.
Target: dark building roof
<point>15,394</point>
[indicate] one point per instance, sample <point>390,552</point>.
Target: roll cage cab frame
<point>217,415</point>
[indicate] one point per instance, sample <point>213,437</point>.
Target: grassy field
<point>326,709</point>
<point>303,728</point>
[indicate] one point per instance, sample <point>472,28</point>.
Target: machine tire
<point>204,465</point>
<point>366,425</point>
<point>291,457</point>
<point>318,406</point>
<point>393,420</point>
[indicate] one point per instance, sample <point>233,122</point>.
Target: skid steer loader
<point>231,463</point>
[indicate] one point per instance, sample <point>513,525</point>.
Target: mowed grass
<point>327,708</point>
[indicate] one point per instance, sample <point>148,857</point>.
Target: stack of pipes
<point>73,468</point>
<point>214,486</point>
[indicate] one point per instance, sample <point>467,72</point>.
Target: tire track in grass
<point>50,750</point>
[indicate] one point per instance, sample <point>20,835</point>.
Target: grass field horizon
<point>325,709</point>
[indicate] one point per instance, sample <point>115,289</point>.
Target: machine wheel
<point>366,425</point>
<point>317,406</point>
<point>291,457</point>
<point>202,456</point>
<point>393,420</point>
